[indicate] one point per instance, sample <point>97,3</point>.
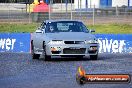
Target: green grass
<point>112,28</point>
<point>5,27</point>
<point>103,28</point>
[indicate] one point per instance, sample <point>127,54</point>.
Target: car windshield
<point>65,26</point>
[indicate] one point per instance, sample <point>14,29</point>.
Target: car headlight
<point>91,41</point>
<point>56,42</point>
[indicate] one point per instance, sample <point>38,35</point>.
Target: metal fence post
<point>61,5</point>
<point>94,15</point>
<point>90,3</point>
<point>49,10</point>
<point>71,9</point>
<point>8,13</point>
<point>80,9</point>
<point>117,13</point>
<point>29,14</point>
<point>66,1</point>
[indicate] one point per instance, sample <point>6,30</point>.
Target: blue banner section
<point>15,42</point>
<point>108,43</point>
<point>115,43</point>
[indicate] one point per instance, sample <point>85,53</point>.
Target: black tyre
<point>93,57</point>
<point>34,56</point>
<point>45,56</point>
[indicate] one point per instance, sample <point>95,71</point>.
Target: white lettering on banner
<point>111,46</point>
<point>115,46</point>
<point>122,44</point>
<point>8,44</point>
<point>13,42</point>
<point>2,43</point>
<point>107,45</point>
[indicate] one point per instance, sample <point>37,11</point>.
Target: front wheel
<point>93,57</point>
<point>45,56</point>
<point>34,56</point>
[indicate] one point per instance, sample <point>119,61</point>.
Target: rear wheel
<point>93,57</point>
<point>34,56</point>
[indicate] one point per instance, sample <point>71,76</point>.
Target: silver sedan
<point>63,38</point>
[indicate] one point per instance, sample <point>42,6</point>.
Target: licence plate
<point>74,48</point>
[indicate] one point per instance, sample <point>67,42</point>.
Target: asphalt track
<point>18,70</point>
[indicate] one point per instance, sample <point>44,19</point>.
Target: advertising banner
<point>115,43</point>
<point>108,43</point>
<point>14,42</point>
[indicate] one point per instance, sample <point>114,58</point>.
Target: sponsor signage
<point>82,77</point>
<point>108,43</point>
<point>14,42</point>
<point>115,43</point>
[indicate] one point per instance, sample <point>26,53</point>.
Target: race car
<point>63,38</point>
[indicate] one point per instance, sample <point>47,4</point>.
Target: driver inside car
<point>51,29</point>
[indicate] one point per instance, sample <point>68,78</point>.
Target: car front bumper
<point>72,49</point>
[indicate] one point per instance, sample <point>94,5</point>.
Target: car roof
<point>47,21</point>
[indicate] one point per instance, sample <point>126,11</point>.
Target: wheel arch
<point>31,45</point>
<point>43,45</point>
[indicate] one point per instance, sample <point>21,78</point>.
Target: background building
<point>129,2</point>
<point>119,3</point>
<point>101,3</point>
<point>77,4</point>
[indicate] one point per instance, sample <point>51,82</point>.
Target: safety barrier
<point>108,43</point>
<point>115,43</point>
<point>15,42</point>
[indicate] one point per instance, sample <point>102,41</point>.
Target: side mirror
<point>91,31</point>
<point>38,31</point>
<point>44,23</point>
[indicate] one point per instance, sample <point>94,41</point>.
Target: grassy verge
<point>112,28</point>
<point>4,27</point>
<point>104,28</point>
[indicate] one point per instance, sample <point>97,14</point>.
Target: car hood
<point>70,36</point>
